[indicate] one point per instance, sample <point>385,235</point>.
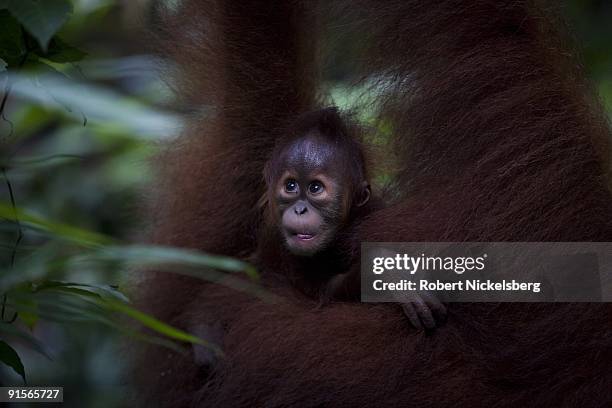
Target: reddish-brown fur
<point>497,138</point>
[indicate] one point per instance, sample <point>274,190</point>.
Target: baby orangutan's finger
<point>437,307</point>
<point>412,315</point>
<point>424,313</point>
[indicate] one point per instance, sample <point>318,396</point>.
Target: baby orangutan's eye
<point>291,186</point>
<point>316,187</point>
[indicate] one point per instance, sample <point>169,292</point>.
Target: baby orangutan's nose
<point>299,209</point>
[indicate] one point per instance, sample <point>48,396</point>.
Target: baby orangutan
<point>318,193</point>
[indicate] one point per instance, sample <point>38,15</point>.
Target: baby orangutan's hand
<point>424,310</point>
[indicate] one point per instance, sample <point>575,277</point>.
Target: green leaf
<point>84,237</point>
<point>27,338</point>
<point>2,65</point>
<point>152,339</point>
<point>83,289</point>
<point>75,303</point>
<point>159,326</point>
<point>62,52</point>
<point>41,18</point>
<point>12,46</point>
<point>182,261</point>
<point>111,110</point>
<point>36,162</point>
<point>155,255</point>
<point>9,356</point>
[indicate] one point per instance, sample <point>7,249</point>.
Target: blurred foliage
<point>589,22</point>
<point>76,136</point>
<point>83,108</point>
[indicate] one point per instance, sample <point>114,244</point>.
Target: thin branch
<point>15,245</point>
<point>10,186</point>
<point>16,220</point>
<point>7,92</point>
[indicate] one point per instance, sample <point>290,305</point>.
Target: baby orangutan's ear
<point>364,194</point>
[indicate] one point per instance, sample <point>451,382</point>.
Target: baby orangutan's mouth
<point>305,242</point>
